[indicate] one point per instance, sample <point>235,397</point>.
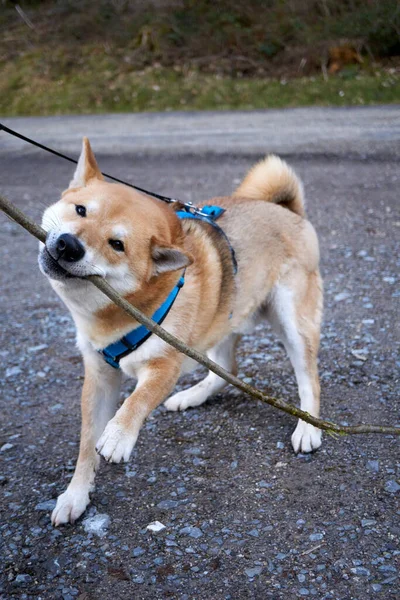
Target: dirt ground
<point>244,517</point>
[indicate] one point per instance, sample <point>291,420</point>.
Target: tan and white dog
<point>141,248</point>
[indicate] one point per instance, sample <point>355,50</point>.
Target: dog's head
<point>108,229</point>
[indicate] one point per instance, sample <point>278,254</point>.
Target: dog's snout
<point>69,248</point>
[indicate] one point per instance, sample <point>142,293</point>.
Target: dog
<point>142,248</point>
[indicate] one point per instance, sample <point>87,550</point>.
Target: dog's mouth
<point>52,268</point>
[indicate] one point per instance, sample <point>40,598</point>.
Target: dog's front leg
<point>100,395</point>
<point>156,380</point>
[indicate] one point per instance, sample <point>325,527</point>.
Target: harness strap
<point>131,341</point>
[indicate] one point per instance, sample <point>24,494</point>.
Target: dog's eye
<point>80,210</point>
<point>117,245</point>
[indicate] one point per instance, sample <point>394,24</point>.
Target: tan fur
<point>278,279</point>
<point>274,181</point>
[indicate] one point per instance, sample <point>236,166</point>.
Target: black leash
<point>47,149</point>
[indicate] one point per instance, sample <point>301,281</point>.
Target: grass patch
<point>129,55</point>
<point>98,84</point>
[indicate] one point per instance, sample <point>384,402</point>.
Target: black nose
<point>69,248</point>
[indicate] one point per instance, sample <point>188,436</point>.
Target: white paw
<point>70,505</point>
<point>306,437</point>
<point>116,443</point>
<point>184,400</point>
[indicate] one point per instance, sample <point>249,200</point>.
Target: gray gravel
<point>243,517</point>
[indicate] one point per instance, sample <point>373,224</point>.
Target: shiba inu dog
<point>141,247</point>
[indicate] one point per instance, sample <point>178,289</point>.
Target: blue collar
<point>130,342</point>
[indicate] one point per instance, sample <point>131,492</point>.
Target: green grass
<point>119,55</point>
<point>99,85</point>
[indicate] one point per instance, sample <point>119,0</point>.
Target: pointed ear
<point>87,168</point>
<point>169,258</point>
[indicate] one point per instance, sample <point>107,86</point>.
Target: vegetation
<point>120,55</point>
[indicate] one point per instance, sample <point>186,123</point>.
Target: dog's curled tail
<point>274,181</point>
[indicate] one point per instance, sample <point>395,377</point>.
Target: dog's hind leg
<point>224,355</point>
<point>100,395</point>
<point>295,314</point>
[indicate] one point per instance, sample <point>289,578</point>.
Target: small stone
<point>13,371</point>
<point>301,577</point>
<point>304,592</point>
<point>254,533</point>
<point>280,445</point>
<point>37,348</point>
<point>392,486</point>
<point>300,523</point>
<point>376,587</point>
<point>138,551</point>
<point>368,522</point>
<point>340,297</point>
<point>387,569</point>
<point>155,526</point>
<point>253,572</point>
<point>360,571</point>
<point>167,504</point>
<point>46,505</point>
<point>97,524</point>
<point>6,447</point>
<point>373,465</point>
<point>22,579</point>
<point>315,537</point>
<point>193,532</point>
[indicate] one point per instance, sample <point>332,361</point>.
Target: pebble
<point>97,524</point>
<point>155,526</point>
<point>368,522</point>
<point>46,505</point>
<point>315,537</point>
<point>253,572</point>
<point>392,486</point>
<point>22,579</point>
<point>37,348</point>
<point>167,504</point>
<point>360,571</point>
<point>254,533</point>
<point>6,447</point>
<point>193,532</point>
<point>373,465</point>
<point>138,551</point>
<point>340,297</point>
<point>13,371</point>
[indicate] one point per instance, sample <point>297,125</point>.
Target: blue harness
<point>130,342</point>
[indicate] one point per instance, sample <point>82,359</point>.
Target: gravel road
<point>243,517</point>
